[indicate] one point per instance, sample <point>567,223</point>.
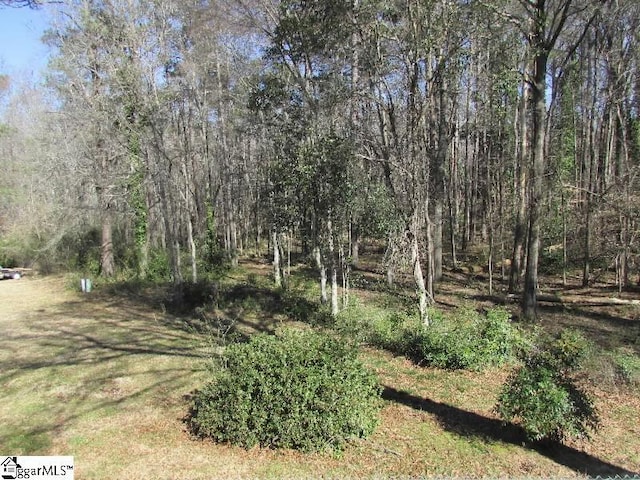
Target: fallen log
<point>578,300</point>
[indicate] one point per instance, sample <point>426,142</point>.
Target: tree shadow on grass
<point>206,308</point>
<point>269,304</point>
<point>598,321</point>
<point>77,363</point>
<point>94,398</point>
<point>599,324</point>
<point>469,424</point>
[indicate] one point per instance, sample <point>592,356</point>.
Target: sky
<point>21,52</point>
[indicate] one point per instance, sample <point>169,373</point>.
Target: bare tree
<point>24,3</point>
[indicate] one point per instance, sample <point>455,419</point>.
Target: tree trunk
<point>421,288</point>
<point>334,270</point>
<point>345,268</point>
<point>490,210</point>
<point>519,234</point>
<point>335,305</point>
<point>355,244</point>
<point>452,229</point>
<point>143,256</point>
<point>289,248</point>
<point>437,238</point>
<point>192,250</point>
<point>233,229</point>
<point>170,240</point>
<point>322,269</point>
<point>390,256</point>
<point>107,260</point>
<point>277,275</point>
<point>586,261</point>
<point>564,238</point>
<point>430,279</point>
<point>443,140</point>
<point>539,112</point>
<point>176,263</point>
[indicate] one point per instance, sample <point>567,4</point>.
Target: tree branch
<point>27,3</point>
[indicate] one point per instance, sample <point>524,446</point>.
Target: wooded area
<point>172,136</point>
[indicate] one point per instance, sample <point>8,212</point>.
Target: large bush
<point>543,395</point>
<point>299,390</point>
<point>466,340</point>
<point>381,327</point>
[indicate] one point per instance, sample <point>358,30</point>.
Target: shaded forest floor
<point>107,377</point>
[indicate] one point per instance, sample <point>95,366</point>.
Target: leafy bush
<point>392,330</point>
<point>543,395</point>
<point>158,267</point>
<point>300,390</point>
<point>627,365</point>
<point>466,340</point>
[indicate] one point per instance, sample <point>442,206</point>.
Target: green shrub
<point>300,302</point>
<point>379,327</point>
<point>447,345</point>
<point>463,340</point>
<point>392,332</point>
<point>497,336</point>
<point>299,390</point>
<point>299,308</point>
<point>627,365</point>
<point>354,322</point>
<point>542,395</point>
<point>466,340</point>
<point>158,267</point>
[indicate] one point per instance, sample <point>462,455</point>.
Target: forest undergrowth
<point>111,379</point>
<point>379,317</point>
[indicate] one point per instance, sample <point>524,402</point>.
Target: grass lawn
<point>107,377</point>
